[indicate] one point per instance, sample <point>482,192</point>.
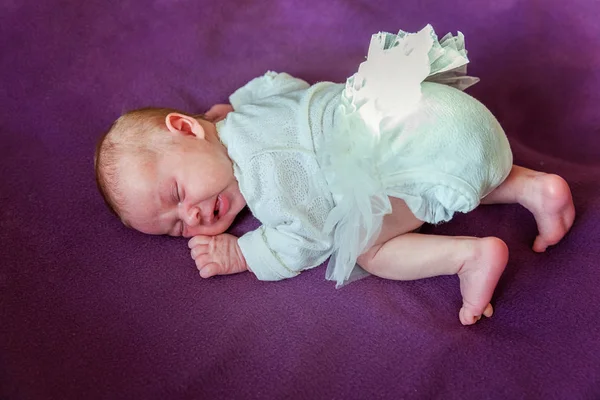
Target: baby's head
<point>166,172</point>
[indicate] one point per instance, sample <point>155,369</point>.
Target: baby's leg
<point>400,221</point>
<point>547,196</point>
<point>477,262</point>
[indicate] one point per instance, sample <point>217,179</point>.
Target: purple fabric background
<point>91,310</point>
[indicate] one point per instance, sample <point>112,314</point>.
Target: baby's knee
<point>365,260</point>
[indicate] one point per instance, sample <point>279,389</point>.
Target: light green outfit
<point>400,127</point>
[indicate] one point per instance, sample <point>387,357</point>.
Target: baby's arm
<point>272,254</point>
<point>217,255</point>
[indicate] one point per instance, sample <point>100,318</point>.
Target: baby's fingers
<point>199,250</point>
<point>209,270</point>
<point>202,260</point>
<point>198,240</point>
<point>213,111</point>
<point>218,112</point>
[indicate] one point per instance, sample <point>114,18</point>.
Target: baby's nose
<point>196,216</point>
<point>193,216</point>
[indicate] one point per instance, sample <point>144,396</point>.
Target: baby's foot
<point>549,200</point>
<point>479,276</point>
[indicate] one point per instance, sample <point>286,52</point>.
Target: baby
<point>346,172</point>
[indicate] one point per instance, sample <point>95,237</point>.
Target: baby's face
<point>188,190</point>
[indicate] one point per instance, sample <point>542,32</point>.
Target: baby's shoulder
<point>265,86</point>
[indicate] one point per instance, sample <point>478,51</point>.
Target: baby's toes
<point>489,311</point>
<point>467,317</point>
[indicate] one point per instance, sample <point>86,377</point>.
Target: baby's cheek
<point>213,230</point>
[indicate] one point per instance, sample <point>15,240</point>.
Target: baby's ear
<point>181,124</point>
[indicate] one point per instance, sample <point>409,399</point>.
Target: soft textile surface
<point>90,309</point>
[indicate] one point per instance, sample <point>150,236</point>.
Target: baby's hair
<point>136,133</point>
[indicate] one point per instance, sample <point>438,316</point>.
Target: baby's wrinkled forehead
<point>137,165</point>
<point>136,175</point>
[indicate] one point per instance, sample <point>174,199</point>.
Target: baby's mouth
<point>217,207</point>
<point>221,207</point>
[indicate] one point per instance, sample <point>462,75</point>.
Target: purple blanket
<point>92,310</point>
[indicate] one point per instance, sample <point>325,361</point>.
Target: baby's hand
<point>217,255</point>
<point>218,112</point>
